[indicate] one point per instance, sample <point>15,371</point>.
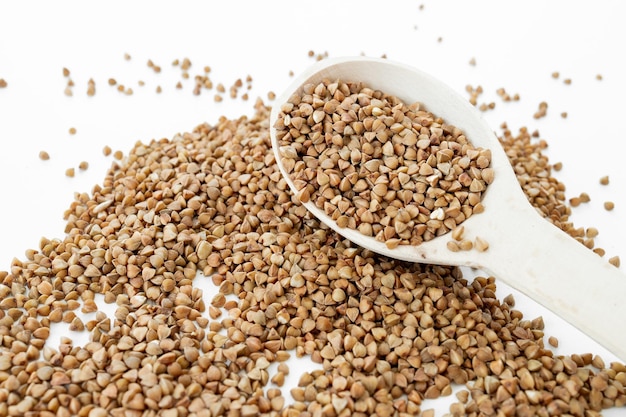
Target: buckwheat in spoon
<point>399,163</point>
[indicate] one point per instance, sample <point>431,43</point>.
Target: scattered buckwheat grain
<point>591,232</point>
<point>542,111</point>
<point>584,197</point>
<point>91,87</point>
<point>481,244</point>
<point>615,261</point>
<point>553,341</point>
<point>153,66</point>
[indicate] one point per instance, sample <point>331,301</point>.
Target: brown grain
<point>615,261</point>
<point>91,87</point>
<point>400,173</point>
<point>554,342</point>
<point>542,111</point>
<point>209,204</point>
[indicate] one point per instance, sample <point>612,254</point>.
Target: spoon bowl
<point>525,250</point>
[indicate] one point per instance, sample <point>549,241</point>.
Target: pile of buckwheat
<point>372,163</point>
<point>211,204</point>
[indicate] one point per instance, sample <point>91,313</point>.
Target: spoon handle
<point>554,269</point>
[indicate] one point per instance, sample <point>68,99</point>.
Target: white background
<point>516,45</point>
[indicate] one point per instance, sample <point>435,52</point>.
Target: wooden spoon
<point>525,250</point>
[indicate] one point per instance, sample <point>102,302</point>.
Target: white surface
<point>516,46</point>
